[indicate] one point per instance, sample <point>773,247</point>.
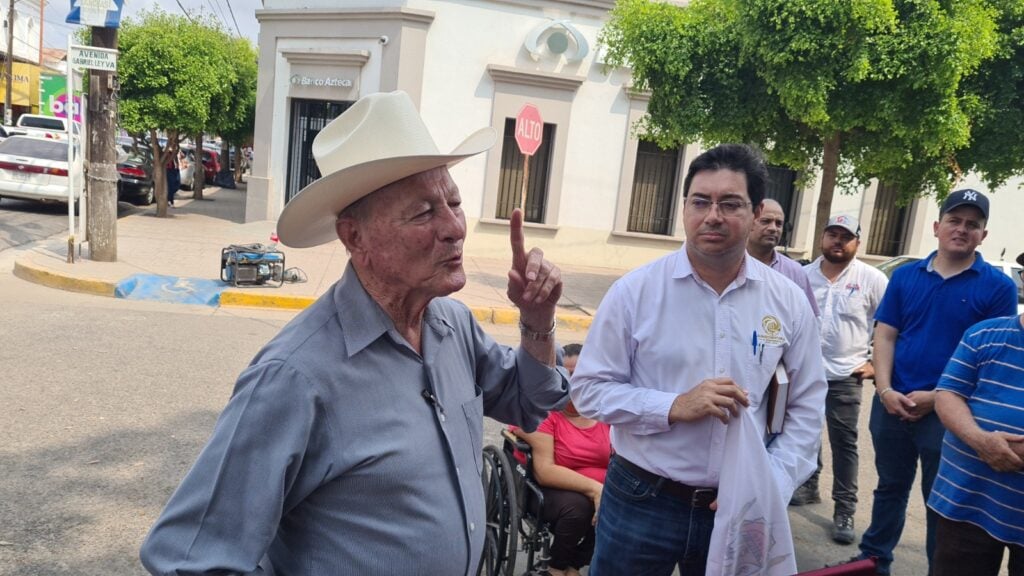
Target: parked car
<point>37,169</point>
<point>1010,269</point>
<point>135,174</point>
<point>187,167</point>
<point>42,126</point>
<point>211,165</point>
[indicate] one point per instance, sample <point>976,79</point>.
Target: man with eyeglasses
<point>765,235</point>
<point>680,347</point>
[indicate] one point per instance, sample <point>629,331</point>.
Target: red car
<point>211,164</point>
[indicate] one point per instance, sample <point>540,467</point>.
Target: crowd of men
<point>352,443</point>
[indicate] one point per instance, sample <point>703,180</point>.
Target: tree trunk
<point>200,170</point>
<point>240,160</point>
<point>829,174</point>
<point>160,158</point>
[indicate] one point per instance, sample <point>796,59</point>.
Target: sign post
<point>100,179</point>
<point>529,134</point>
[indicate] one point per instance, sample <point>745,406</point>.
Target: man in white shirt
<point>677,349</point>
<point>848,292</point>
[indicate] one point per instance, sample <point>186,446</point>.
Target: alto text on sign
<point>529,129</point>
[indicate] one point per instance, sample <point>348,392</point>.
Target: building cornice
<point>409,15</point>
<point>638,95</point>
<point>600,5</point>
<point>344,58</point>
<point>512,75</point>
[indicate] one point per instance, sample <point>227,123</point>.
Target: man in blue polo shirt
<point>926,309</point>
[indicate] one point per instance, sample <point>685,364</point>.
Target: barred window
<point>781,187</point>
<point>889,223</point>
<point>510,178</point>
<point>655,181</point>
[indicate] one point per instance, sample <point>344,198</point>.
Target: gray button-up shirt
<point>330,460</point>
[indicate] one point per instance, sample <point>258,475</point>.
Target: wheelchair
<point>514,502</point>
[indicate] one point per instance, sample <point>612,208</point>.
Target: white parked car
<point>1011,269</point>
<point>37,169</point>
<point>42,126</point>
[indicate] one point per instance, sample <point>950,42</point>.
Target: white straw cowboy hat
<point>379,140</point>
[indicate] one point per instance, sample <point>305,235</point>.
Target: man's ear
<point>350,234</point>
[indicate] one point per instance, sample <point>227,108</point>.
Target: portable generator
<point>251,265</point>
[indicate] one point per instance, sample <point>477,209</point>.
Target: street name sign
<point>93,58</point>
<point>99,13</point>
<point>529,129</point>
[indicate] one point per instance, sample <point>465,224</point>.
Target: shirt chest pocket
<point>851,305</point>
<point>760,370</point>
<point>473,412</point>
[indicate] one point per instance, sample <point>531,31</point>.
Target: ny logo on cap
<point>970,195</point>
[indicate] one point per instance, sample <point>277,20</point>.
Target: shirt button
<point>721,370</point>
<point>721,336</point>
<point>458,472</point>
<point>442,418</point>
<point>472,526</point>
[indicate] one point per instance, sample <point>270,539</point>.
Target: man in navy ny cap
<point>926,309</point>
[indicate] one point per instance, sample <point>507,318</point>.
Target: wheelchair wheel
<point>502,527</point>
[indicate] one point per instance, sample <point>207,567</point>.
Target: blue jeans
<point>898,446</point>
<point>641,532</point>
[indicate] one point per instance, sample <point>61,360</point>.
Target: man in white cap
<point>848,292</point>
<point>352,443</point>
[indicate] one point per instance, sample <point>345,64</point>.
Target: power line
<point>239,32</point>
<point>187,15</point>
<point>213,11</point>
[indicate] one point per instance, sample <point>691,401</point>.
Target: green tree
<point>171,68</point>
<point>996,149</point>
<point>236,121</point>
<point>856,89</point>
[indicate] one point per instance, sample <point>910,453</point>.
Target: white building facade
<point>597,195</point>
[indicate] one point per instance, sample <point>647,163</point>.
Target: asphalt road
<point>105,404</point>
<point>25,221</point>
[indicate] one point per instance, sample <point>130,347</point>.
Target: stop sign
<point>529,129</point>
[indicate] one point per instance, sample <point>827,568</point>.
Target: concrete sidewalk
<point>179,259</point>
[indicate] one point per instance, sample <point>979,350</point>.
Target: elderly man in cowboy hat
<point>352,443</point>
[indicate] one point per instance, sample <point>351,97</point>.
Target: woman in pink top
<point>570,458</point>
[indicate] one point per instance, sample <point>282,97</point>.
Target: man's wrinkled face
<point>414,232</point>
<point>839,245</point>
<point>960,231</point>
<point>717,215</point>
<point>767,229</point>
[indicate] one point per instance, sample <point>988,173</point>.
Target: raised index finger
<point>516,238</point>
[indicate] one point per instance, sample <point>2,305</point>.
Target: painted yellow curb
<point>45,277</point>
<point>248,299</point>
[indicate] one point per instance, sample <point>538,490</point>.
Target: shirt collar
<point>752,269</point>
<point>363,321</point>
<point>926,264</point>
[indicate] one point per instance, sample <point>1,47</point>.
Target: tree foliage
<point>179,76</point>
<point>859,89</point>
<point>996,148</point>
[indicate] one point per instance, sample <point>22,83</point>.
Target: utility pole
<point>101,177</point>
<point>9,67</point>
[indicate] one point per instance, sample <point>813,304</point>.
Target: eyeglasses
<point>727,207</point>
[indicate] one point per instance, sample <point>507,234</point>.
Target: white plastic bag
<point>751,534</point>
